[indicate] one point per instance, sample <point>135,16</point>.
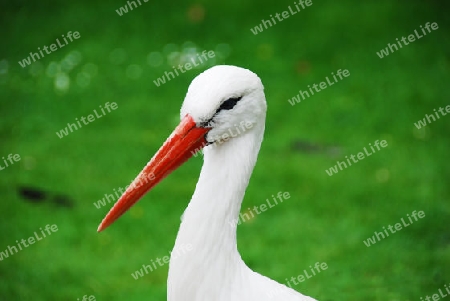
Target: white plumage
<point>213,269</point>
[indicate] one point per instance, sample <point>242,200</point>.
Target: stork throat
<point>232,132</point>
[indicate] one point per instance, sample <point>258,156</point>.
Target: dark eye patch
<point>226,105</point>
<point>229,104</point>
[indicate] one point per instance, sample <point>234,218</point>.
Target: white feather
<point>213,270</point>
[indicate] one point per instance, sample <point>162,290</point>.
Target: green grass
<point>325,220</point>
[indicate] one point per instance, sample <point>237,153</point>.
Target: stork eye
<point>226,105</point>
<point>229,103</point>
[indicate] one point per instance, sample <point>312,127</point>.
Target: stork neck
<point>209,222</point>
<point>216,202</point>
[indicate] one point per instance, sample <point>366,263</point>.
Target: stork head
<point>219,99</point>
<point>224,97</point>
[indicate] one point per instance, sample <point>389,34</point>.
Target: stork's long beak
<point>184,141</point>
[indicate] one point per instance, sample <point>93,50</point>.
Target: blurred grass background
<point>325,220</point>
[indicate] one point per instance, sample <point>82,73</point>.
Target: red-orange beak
<point>184,141</point>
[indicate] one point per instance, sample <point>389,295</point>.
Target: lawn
<point>327,219</point>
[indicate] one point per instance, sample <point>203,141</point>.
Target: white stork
<point>217,102</point>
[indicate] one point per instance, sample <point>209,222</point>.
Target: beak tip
<point>100,228</point>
